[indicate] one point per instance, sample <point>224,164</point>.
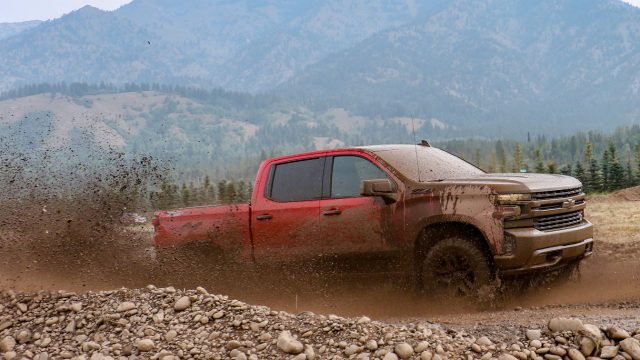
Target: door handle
<point>332,212</point>
<point>264,217</point>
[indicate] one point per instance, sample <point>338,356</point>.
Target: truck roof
<point>368,148</point>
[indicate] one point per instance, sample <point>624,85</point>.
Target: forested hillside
<point>223,136</point>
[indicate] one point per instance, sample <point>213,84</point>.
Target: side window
<point>297,181</point>
<point>349,172</point>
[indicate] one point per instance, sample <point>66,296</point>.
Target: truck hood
<point>518,182</point>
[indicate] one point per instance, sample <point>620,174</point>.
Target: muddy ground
<point>607,292</point>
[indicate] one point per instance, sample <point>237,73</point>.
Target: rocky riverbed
<point>167,323</point>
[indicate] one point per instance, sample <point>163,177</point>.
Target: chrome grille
<point>545,195</point>
<point>560,221</point>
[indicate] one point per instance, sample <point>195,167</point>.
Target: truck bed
<point>225,226</point>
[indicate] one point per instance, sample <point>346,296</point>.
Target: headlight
<point>513,198</point>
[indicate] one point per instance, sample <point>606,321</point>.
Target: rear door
<point>285,214</point>
<point>352,223</point>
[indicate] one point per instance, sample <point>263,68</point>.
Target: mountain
<point>11,29</point>
<point>248,45</point>
<point>494,67</point>
<point>487,68</point>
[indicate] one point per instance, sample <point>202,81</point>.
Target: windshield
<point>434,164</point>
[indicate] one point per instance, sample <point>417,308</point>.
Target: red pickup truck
<point>448,222</point>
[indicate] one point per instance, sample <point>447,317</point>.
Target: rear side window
<point>348,174</point>
<point>297,181</point>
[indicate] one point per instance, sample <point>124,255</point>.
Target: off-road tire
<point>455,266</point>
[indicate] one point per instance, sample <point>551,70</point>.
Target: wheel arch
<point>432,233</point>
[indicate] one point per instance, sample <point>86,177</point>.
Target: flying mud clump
<point>166,323</point>
<point>62,203</point>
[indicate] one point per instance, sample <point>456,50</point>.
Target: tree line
<point>602,163</point>
<point>196,193</point>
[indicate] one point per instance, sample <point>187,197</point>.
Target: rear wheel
<point>455,267</point>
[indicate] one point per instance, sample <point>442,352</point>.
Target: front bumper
<point>537,250</point>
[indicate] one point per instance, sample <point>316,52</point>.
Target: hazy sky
<point>23,10</point>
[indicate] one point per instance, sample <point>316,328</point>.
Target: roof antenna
<point>415,146</point>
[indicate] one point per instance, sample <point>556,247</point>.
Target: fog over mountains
<point>471,67</point>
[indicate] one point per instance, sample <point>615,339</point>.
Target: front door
<point>352,223</point>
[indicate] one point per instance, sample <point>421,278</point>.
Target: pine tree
<point>539,162</point>
<point>616,175</point>
<point>630,180</point>
<point>502,156</point>
<point>567,170</point>
<point>595,178</point>
<point>604,170</point>
<point>476,159</point>
<point>580,173</point>
<point>552,168</point>
<point>517,158</point>
<point>194,195</point>
<point>589,181</point>
<point>231,193</point>
<point>222,191</point>
<point>493,166</point>
<point>185,195</point>
<point>206,190</point>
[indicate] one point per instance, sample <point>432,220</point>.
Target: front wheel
<point>454,267</point>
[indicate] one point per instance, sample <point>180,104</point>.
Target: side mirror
<point>379,187</point>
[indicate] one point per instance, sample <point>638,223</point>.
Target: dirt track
<point>608,290</point>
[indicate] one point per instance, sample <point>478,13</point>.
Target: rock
<point>534,334</point>
<point>364,320</point>
<point>288,344</point>
<point>565,324</point>
<point>535,344</point>
<point>476,348</point>
<point>309,352</point>
<point>587,345</point>
<point>390,356</point>
<point>507,357</point>
<point>484,341</point>
<point>404,350</point>
<point>171,335</point>
<point>7,344</point>
<point>145,345</point>
<point>22,307</point>
<point>23,336</point>
<point>632,347</point>
<point>426,355</point>
<point>236,354</point>
<point>5,324</point>
<point>182,304</point>
<point>617,333</point>
<point>575,354</point>
<point>126,306</point>
<point>422,346</point>
<point>371,345</point>
<point>233,344</point>
<point>609,352</point>
<point>352,350</point>
<point>557,350</point>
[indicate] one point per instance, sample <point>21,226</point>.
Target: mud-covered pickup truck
<point>446,221</point>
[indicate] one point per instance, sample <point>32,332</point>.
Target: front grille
<point>546,195</point>
<point>560,221</point>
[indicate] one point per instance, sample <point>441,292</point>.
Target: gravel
<point>168,324</point>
